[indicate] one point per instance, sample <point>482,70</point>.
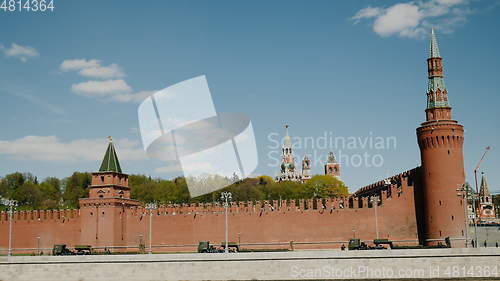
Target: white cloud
<point>104,88</point>
<point>52,149</point>
<point>21,52</point>
<point>400,18</point>
<point>111,71</point>
<point>368,12</point>
<point>92,68</point>
<point>116,90</point>
<point>110,90</point>
<point>78,64</point>
<point>414,19</point>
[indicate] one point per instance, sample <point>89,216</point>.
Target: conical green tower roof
<point>110,162</point>
<point>434,49</point>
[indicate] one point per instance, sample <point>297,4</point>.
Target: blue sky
<point>349,69</point>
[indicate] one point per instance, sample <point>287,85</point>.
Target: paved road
<point>298,265</point>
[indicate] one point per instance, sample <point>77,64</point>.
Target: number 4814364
<point>27,5</point>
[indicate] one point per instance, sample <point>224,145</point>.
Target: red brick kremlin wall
<point>52,226</point>
<point>332,219</point>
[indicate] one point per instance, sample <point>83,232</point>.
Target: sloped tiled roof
<point>110,162</point>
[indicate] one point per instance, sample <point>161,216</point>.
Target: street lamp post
<point>38,244</point>
<point>463,189</point>
<point>474,197</point>
<point>226,197</point>
<point>150,207</point>
<point>475,216</point>
<point>375,200</point>
<point>11,204</point>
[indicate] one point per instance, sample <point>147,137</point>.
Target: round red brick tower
<point>441,140</point>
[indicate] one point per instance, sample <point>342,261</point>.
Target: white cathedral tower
<point>288,170</point>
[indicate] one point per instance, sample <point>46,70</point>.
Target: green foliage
<point>76,187</point>
<point>53,193</point>
<point>496,202</point>
<point>326,186</point>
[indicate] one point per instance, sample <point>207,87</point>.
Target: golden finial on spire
<point>110,138</point>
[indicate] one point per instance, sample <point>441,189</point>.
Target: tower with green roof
<point>110,162</point>
<point>438,107</point>
<point>106,209</point>
<point>440,138</point>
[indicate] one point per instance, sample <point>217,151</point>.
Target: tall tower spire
<point>486,207</point>
<point>306,168</point>
<point>441,150</point>
<point>484,191</point>
<point>438,107</point>
<point>288,170</point>
<point>434,49</point>
<point>287,142</point>
<point>332,167</point>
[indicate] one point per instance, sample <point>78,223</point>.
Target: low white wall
<point>400,264</point>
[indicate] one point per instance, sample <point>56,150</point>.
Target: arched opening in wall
<point>440,203</point>
<point>102,179</point>
<point>91,213</point>
<point>462,232</point>
<point>103,214</point>
<point>101,196</point>
<point>452,217</point>
<point>448,152</point>
<point>440,234</point>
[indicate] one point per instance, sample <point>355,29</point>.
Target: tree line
<point>55,193</point>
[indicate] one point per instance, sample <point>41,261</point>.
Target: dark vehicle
<point>356,244</point>
<point>205,247</point>
<point>379,243</point>
<point>61,250</point>
<point>233,247</point>
<point>83,249</point>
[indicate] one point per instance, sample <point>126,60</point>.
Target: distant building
<point>288,170</point>
<point>486,207</point>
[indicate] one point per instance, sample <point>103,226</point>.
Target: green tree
<point>325,186</point>
<point>10,183</point>
<point>51,193</point>
<point>75,187</point>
